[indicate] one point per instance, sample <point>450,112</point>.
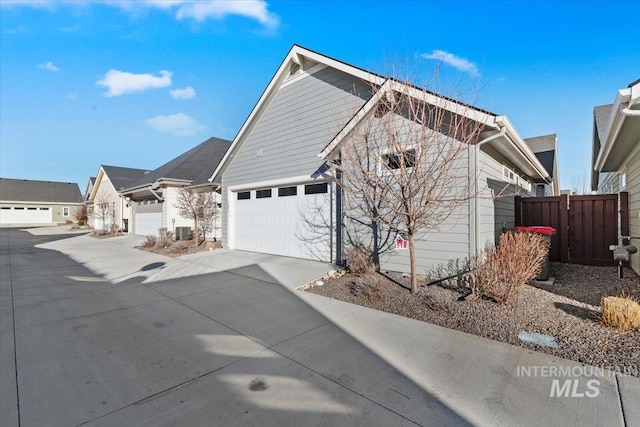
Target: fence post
<point>563,237</point>
<point>623,200</point>
<point>518,210</point>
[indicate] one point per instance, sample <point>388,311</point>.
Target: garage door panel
<point>298,226</point>
<point>25,215</point>
<point>149,220</point>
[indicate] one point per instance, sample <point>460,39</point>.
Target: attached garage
<point>294,220</point>
<point>147,218</point>
<point>13,215</point>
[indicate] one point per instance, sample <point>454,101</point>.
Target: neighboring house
<point>90,184</point>
<point>616,154</point>
<point>106,206</point>
<point>152,198</point>
<point>546,150</point>
<point>278,193</point>
<point>26,202</point>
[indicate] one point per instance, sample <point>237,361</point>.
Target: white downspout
<point>477,187</point>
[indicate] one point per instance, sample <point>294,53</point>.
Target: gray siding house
<point>277,184</point>
<point>28,202</point>
<point>616,154</point>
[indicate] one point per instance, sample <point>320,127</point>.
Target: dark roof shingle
<point>123,177</point>
<point>195,165</point>
<point>24,190</point>
<point>601,116</point>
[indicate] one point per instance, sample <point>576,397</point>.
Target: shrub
<point>178,246</point>
<point>622,312</point>
<point>504,269</point>
<point>81,222</point>
<point>359,260</point>
<point>149,241</point>
<point>165,238</point>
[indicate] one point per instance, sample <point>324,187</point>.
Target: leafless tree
<point>103,209</point>
<point>580,185</point>
<point>200,207</point>
<point>404,167</point>
<point>81,214</point>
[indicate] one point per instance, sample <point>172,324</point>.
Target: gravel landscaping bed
<point>559,311</point>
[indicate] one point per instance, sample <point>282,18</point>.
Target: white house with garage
<point>152,198</point>
<point>36,203</point>
<point>279,194</point>
<point>107,207</point>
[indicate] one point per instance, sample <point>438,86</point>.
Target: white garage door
<point>293,221</point>
<point>25,215</point>
<point>147,218</point>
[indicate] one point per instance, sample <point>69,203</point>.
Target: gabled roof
<point>545,147</point>
<point>484,117</point>
<point>515,145</point>
<point>601,115</point>
<point>24,190</point>
<point>296,55</point>
<point>122,178</point>
<point>193,167</point>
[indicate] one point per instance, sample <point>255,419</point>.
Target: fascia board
<point>613,127</point>
<point>523,148</point>
<point>456,108</point>
<point>96,185</point>
<point>353,122</point>
<point>35,202</point>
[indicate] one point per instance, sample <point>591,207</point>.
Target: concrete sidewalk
<point>107,334</point>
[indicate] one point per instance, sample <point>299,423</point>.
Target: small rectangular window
<point>287,191</point>
<point>623,180</point>
<point>44,209</point>
<point>244,195</point>
<point>396,160</point>
<point>65,211</point>
<point>263,194</point>
<point>316,188</point>
<point>19,209</point>
<point>32,209</point>
<point>5,208</point>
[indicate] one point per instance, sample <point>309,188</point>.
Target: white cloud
<point>218,9</point>
<point>461,64</point>
<point>177,124</point>
<point>121,82</point>
<point>186,93</point>
<point>49,66</point>
<point>184,9</point>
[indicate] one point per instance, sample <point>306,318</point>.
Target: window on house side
<point>244,195</point>
<point>65,211</point>
<point>395,160</point>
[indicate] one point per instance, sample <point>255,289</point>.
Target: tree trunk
<point>195,232</point>
<point>412,260</point>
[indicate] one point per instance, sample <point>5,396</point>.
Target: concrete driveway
<point>95,332</point>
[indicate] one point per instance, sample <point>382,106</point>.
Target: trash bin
<point>547,232</point>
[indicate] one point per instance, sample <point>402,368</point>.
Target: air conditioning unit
<point>183,233</point>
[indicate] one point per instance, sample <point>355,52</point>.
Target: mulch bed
<point>187,248</point>
<point>569,310</point>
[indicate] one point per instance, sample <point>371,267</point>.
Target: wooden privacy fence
<point>585,225</point>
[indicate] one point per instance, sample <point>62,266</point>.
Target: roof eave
<point>625,99</point>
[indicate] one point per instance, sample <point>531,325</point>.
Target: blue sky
<point>135,84</point>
